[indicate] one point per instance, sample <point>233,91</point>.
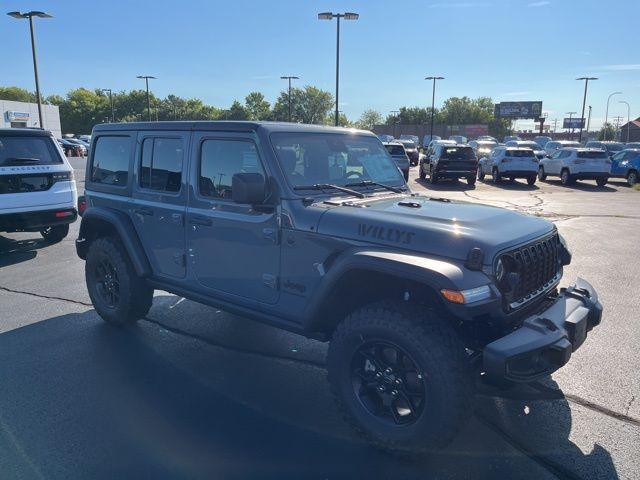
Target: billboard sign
<point>17,116</point>
<point>574,122</point>
<point>515,110</point>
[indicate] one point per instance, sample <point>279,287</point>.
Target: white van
<point>37,188</point>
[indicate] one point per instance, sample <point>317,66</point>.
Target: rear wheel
<point>565,177</point>
<point>480,174</point>
<point>541,175</point>
<point>55,234</point>
<point>471,180</point>
<point>632,178</point>
<point>421,172</point>
<point>531,181</point>
<point>433,176</point>
<point>117,293</point>
<point>601,182</point>
<point>399,375</point>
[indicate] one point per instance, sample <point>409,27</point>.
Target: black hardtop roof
<point>226,125</point>
<point>25,132</point>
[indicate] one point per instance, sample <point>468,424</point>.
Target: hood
<point>435,227</point>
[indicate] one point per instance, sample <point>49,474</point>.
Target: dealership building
<point>22,114</point>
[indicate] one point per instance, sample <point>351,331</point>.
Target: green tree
<point>17,94</point>
<point>308,105</point>
<point>236,112</point>
<point>607,131</point>
<point>465,111</point>
<point>257,107</point>
<point>369,119</point>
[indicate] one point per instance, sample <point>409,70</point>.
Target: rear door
<point>160,198</point>
<point>234,249</point>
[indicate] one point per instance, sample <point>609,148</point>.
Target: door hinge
<point>270,281</point>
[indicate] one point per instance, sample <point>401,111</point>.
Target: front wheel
<point>117,293</point>
<point>541,175</point>
<point>632,178</point>
<point>531,181</point>
<point>421,173</point>
<point>601,182</point>
<point>55,234</point>
<point>495,175</point>
<point>480,174</point>
<point>471,181</point>
<point>400,376</point>
<point>433,176</point>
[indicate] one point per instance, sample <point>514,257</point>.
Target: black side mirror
<point>248,188</point>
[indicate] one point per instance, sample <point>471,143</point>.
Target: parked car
<point>610,147</point>
<point>537,149</point>
<point>85,138</point>
<point>386,138</point>
<point>84,146</point>
<point>509,162</point>
<point>414,138</point>
<point>509,138</point>
<point>70,149</point>
<point>626,164</point>
<point>37,188</point>
<point>487,137</point>
<point>426,140</point>
<point>450,162</point>
<point>571,164</point>
<point>542,140</point>
<point>483,147</point>
<point>411,149</point>
<point>458,139</point>
<point>417,295</point>
<point>632,145</point>
<point>399,155</point>
<point>555,145</point>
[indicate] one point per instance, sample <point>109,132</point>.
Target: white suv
<point>37,189</point>
<point>572,164</point>
<point>509,162</point>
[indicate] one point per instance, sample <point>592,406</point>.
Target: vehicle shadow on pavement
<point>83,399</point>
<point>18,251</point>
<point>446,185</point>
<point>582,186</point>
<point>513,185</point>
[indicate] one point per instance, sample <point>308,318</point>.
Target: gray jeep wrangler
<point>313,229</point>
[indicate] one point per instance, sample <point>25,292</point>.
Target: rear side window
<point>111,161</point>
<point>22,150</point>
<point>395,149</point>
<point>592,155</point>
<point>519,153</point>
<point>220,160</point>
<point>458,153</point>
<point>161,164</point>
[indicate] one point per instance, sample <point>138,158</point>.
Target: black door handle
<point>202,221</point>
<point>144,211</point>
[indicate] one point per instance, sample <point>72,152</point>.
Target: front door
<point>233,249</point>
<point>160,197</point>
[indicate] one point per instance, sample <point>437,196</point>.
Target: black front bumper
<point>36,221</point>
<point>545,341</point>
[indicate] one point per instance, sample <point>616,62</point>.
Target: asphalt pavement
<point>195,392</point>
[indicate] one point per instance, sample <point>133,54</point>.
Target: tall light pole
<point>433,102</point>
<point>30,16</point>
<point>338,16</point>
<point>588,122</point>
<point>606,113</point>
<point>289,78</point>
<point>571,114</point>
<point>628,117</point>
<point>584,102</point>
<point>113,115</point>
<point>395,120</point>
<point>146,81</point>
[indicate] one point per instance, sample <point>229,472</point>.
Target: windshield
<point>394,149</point>
<point>592,154</point>
<point>531,145</point>
<point>614,147</point>
<point>19,150</point>
<point>519,153</point>
<point>458,153</point>
<point>408,144</point>
<point>326,158</point>
<point>486,145</point>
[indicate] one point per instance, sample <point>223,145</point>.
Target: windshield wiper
<point>19,160</point>
<point>367,183</point>
<point>324,186</point>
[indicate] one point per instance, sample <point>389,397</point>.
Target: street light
<point>113,115</point>
<point>584,101</point>
<point>433,100</point>
<point>30,16</point>
<point>146,81</point>
<point>338,16</point>
<point>628,117</point>
<point>606,114</point>
<point>289,78</point>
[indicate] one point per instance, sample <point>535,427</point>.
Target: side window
<point>111,160</point>
<point>161,164</point>
<point>220,160</point>
<point>556,154</point>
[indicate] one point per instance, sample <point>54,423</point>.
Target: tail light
<point>82,204</point>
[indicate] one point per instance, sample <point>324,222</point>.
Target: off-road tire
<point>632,178</point>
<point>438,352</point>
<point>601,182</point>
<point>55,234</point>
<point>471,181</point>
<point>541,175</point>
<point>531,181</point>
<point>135,296</point>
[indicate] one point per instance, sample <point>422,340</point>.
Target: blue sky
<point>222,50</point>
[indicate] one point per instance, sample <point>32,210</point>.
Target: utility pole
<point>616,121</point>
<point>146,80</point>
<point>433,100</point>
<point>113,115</point>
<point>628,118</point>
<point>395,120</point>
<point>555,125</point>
<point>584,101</point>
<point>289,78</point>
<point>588,122</point>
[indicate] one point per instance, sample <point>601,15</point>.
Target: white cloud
<point>542,3</point>
<point>621,67</point>
<point>458,5</point>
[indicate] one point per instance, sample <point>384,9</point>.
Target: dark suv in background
<point>411,149</point>
<point>450,162</point>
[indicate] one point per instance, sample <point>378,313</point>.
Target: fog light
<point>467,296</point>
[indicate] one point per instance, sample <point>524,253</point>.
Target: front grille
<point>537,265</point>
